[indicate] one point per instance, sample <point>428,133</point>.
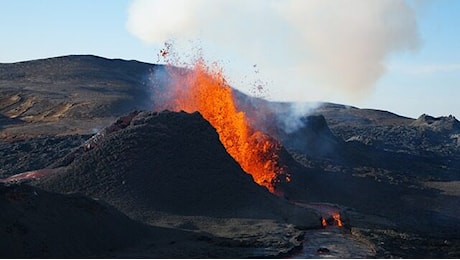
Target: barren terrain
<point>165,175</point>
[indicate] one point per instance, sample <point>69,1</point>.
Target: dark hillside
<point>395,179</point>
<point>38,224</point>
<point>173,163</point>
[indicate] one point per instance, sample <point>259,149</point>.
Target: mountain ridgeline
<point>84,125</point>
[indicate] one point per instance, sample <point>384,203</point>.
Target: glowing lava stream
<point>337,219</point>
<point>333,220</point>
<point>206,91</point>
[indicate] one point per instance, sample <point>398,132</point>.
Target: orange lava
<point>333,220</point>
<point>205,90</point>
<point>323,222</point>
<point>337,219</point>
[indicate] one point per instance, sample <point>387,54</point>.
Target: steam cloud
<point>308,50</point>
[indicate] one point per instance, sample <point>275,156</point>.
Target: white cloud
<point>321,46</point>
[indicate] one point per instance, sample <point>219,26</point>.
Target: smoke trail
<point>306,49</point>
<point>349,40</point>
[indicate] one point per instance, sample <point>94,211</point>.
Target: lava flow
<point>333,220</point>
<point>205,90</point>
<point>336,217</point>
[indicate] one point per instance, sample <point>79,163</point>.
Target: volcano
<point>156,166</point>
<point>66,127</point>
<point>169,162</point>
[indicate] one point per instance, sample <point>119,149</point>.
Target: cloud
<point>304,48</point>
<point>158,21</point>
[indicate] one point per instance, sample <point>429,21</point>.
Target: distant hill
<point>70,94</point>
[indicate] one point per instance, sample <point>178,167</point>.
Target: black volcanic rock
<point>426,136</point>
<point>438,124</point>
<point>39,224</point>
<point>35,153</point>
<point>342,115</point>
<point>313,138</point>
<point>173,163</point>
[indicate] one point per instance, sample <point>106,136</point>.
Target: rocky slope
<point>173,163</point>
<point>68,95</point>
<point>394,178</point>
<point>38,224</point>
<point>169,170</point>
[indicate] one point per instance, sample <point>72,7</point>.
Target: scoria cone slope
<point>170,162</point>
<point>38,224</point>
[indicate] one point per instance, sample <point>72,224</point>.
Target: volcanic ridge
<point>89,171</point>
<point>162,165</point>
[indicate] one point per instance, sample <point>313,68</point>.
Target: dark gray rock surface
<point>39,224</point>
<point>380,167</point>
<point>174,163</point>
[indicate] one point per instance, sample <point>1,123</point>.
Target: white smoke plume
<point>306,50</point>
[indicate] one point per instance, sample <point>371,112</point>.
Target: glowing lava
<point>337,219</point>
<point>205,90</point>
<point>323,222</point>
<point>333,220</point>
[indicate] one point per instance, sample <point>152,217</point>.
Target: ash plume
<point>307,50</point>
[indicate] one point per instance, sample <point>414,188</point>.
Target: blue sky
<point>426,80</point>
<point>48,28</point>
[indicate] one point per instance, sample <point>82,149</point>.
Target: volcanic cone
<point>173,163</point>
